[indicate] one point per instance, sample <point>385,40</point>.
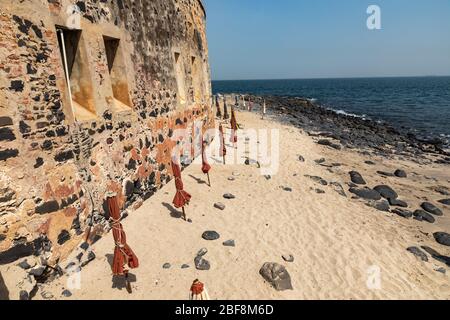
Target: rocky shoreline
<point>340,130</point>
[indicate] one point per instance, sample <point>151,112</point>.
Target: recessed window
<point>76,68</point>
<point>180,75</point>
<point>196,79</point>
<point>118,74</point>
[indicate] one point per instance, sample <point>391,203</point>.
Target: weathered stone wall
<point>55,169</point>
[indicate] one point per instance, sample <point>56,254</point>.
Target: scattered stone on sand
<point>431,208</point>
<point>288,257</point>
<point>366,193</point>
<point>329,143</point>
<point>46,295</point>
<point>301,159</point>
<point>445,201</point>
<point>441,189</point>
<point>202,264</point>
<point>371,163</point>
<point>167,266</point>
<point>386,174</point>
<point>202,252</point>
<point>219,205</point>
<point>37,271</point>
<point>381,205</point>
<point>397,203</point>
<point>317,179</point>
<point>436,255</point>
<point>441,270</point>
<point>400,173</point>
<point>66,293</point>
<point>338,188</point>
<point>418,253</point>
<point>287,189</point>
<point>386,192</point>
<point>229,243</point>
<point>185,266</point>
<point>277,276</point>
<point>210,235</point>
<point>320,161</point>
<point>421,215</point>
<point>268,177</point>
<point>442,238</point>
<point>403,213</point>
<point>357,178</point>
<point>229,196</point>
<point>319,191</point>
<point>231,178</point>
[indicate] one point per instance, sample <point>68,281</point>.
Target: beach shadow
<point>4,292</point>
<point>174,213</point>
<point>120,282</point>
<point>199,181</point>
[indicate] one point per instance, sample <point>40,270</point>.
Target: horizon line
<point>330,78</point>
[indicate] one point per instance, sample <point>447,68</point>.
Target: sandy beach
<point>338,242</point>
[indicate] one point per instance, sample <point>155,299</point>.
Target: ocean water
<point>418,104</point>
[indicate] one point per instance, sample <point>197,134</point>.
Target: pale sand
<point>335,240</point>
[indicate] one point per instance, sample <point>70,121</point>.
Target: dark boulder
<point>366,193</point>
<point>400,173</point>
<point>397,203</point>
<point>431,208</point>
<point>357,178</point>
<point>421,215</point>
<point>445,201</point>
<point>386,192</point>
<point>403,213</point>
<point>418,253</point>
<point>277,276</point>
<point>210,235</point>
<point>442,238</point>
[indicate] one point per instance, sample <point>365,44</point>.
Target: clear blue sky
<point>276,39</point>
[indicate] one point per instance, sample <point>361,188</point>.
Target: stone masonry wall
<point>56,170</point>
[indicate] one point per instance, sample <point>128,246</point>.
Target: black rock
<point>397,203</point>
<point>442,238</point>
<point>229,196</point>
<point>320,161</point>
<point>37,271</point>
<point>445,201</point>
<point>185,266</point>
<point>24,265</point>
<point>167,266</point>
<point>421,215</point>
<point>219,206</point>
<point>276,275</point>
<point>288,257</point>
<point>436,255</point>
<point>386,192</point>
<point>201,264</point>
<point>301,159</point>
<point>210,235</point>
<point>66,293</point>
<point>287,189</point>
<point>386,174</point>
<point>418,253</point>
<point>403,213</point>
<point>400,173</point>
<point>229,243</point>
<point>382,205</point>
<point>357,178</point>
<point>431,208</point>
<point>202,252</point>
<point>366,193</point>
<point>370,162</point>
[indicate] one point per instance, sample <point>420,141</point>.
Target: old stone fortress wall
<point>137,69</point>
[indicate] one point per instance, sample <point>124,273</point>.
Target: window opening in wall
<point>118,73</point>
<point>180,75</point>
<point>196,79</point>
<point>76,70</point>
